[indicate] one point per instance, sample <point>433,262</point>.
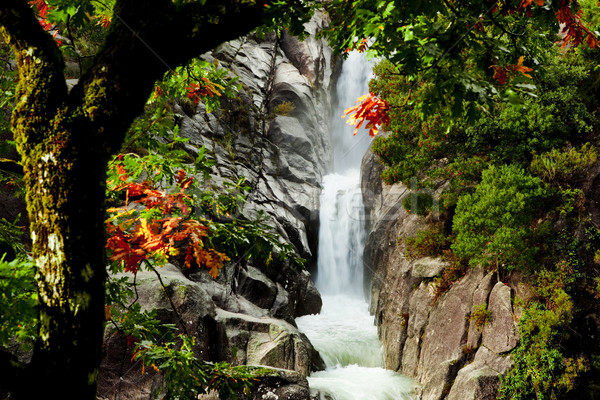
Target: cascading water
<point>344,333</point>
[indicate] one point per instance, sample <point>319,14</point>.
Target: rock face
<point>427,337</point>
<point>247,315</point>
<point>274,133</point>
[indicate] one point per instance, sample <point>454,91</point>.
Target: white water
<point>344,332</point>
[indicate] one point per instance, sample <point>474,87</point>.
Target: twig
<point>170,299</point>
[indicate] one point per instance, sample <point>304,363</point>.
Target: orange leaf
<point>523,69</point>
<point>372,109</point>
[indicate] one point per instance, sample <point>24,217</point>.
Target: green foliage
<point>541,370</point>
<point>8,78</point>
<point>186,377</point>
<point>456,46</point>
<point>291,14</point>
<point>429,150</point>
<point>11,239</point>
<point>418,203</point>
<point>430,242</point>
<point>156,345</point>
<point>562,167</point>
<point>198,81</point>
<point>551,361</point>
<point>18,301</point>
<point>218,210</point>
<point>480,316</point>
<point>138,325</point>
<point>493,224</point>
<point>254,241</point>
<point>450,275</point>
<point>284,108</point>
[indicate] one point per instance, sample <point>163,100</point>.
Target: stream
<point>344,332</point>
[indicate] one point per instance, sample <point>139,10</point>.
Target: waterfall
<point>344,332</point>
<point>341,235</point>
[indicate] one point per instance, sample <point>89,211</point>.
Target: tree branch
<point>146,39</point>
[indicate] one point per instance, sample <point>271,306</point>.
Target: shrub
<point>18,301</point>
<point>480,316</point>
<point>451,274</point>
<point>430,242</point>
<point>418,203</point>
<point>493,224</point>
<point>285,108</point>
<point>562,167</point>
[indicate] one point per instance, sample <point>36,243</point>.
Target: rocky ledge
<point>427,337</point>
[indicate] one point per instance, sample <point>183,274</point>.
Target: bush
<point>431,242</point>
<point>418,203</point>
<point>285,108</point>
<point>562,112</point>
<point>562,167</point>
<point>451,274</point>
<point>18,301</point>
<point>480,316</point>
<point>493,224</point>
<point>541,370</point>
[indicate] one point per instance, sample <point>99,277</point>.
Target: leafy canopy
<point>473,52</point>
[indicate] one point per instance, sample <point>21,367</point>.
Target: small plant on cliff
<point>562,167</point>
<point>284,108</point>
<point>451,274</point>
<point>480,316</point>
<point>418,203</point>
<point>430,242</point>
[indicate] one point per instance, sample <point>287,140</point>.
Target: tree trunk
<point>65,196</point>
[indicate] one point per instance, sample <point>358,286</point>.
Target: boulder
<point>279,384</point>
<point>265,341</point>
<point>195,315</point>
<point>428,267</point>
<point>479,380</point>
<point>256,287</point>
<point>501,333</point>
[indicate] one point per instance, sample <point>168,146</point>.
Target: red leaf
<point>372,109</point>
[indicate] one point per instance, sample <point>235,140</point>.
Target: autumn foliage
<point>372,109</point>
<point>503,72</point>
<point>134,237</point>
<point>202,89</point>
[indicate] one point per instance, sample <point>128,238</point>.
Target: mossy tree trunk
<point>65,140</point>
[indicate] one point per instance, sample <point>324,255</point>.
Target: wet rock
<point>439,381</point>
<point>446,331</point>
<point>277,384</point>
<point>265,341</point>
<point>256,287</point>
<point>417,316</point>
